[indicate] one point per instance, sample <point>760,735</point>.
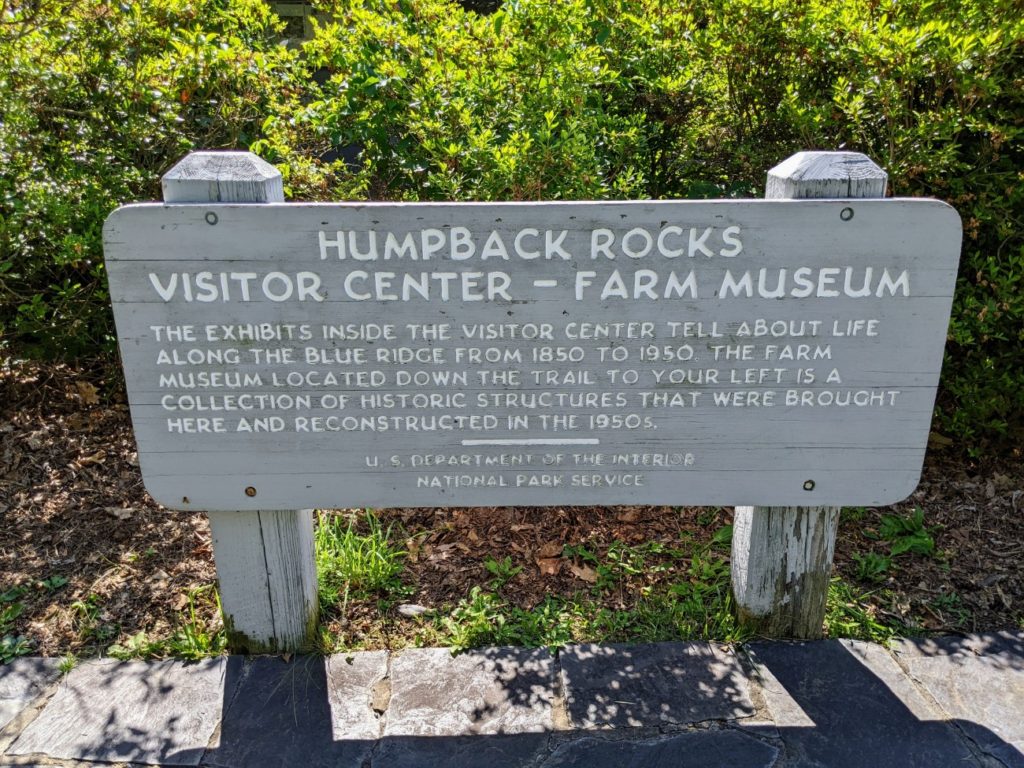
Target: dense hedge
<point>96,101</point>
<point>423,100</point>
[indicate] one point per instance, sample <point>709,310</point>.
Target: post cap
<point>222,177</point>
<point>826,174</point>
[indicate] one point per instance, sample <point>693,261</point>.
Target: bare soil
<point>72,506</point>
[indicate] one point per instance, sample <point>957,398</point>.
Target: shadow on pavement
<point>835,704</point>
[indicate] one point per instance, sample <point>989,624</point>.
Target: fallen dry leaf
<point>551,549</point>
<point>549,566</point>
<point>88,393</point>
<point>120,513</point>
<point>584,572</point>
<point>92,458</point>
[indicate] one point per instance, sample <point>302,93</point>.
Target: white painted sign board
<point>283,356</point>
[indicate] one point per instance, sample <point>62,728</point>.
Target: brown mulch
<point>72,506</point>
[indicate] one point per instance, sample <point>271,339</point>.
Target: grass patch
<point>359,570</point>
<point>194,639</point>
<point>355,556</point>
<point>641,593</point>
<point>872,566</point>
<point>849,614</point>
<point>12,644</point>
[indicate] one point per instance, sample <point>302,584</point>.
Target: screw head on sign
<point>250,491</point>
<point>808,485</point>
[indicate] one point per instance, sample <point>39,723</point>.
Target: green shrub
<point>592,99</point>
<point>96,102</point>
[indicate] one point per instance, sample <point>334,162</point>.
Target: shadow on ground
<point>833,704</point>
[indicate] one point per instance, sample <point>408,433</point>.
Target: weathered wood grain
<point>737,454</point>
<point>266,572</point>
<point>782,556</point>
<point>821,175</point>
<point>229,177</point>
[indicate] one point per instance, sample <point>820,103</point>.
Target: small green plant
<point>197,638</point>
<point>475,622</point>
<point>353,563</point>
<point>722,537</point>
<point>624,562</point>
<point>53,583</point>
<point>853,514</point>
<point>11,645</point>
<point>951,609</point>
<point>12,594</point>
<point>138,646</point>
<point>67,663</point>
<point>707,515</point>
<point>88,621</point>
<point>580,552</point>
<point>872,566</point>
<point>849,615</point>
<point>908,533</point>
<point>503,571</point>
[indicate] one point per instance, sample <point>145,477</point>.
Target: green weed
<point>196,638</point>
<point>53,583</point>
<point>695,605</point>
<point>849,615</point>
<point>89,624</point>
<point>11,645</point>
<point>138,646</point>
<point>475,622</point>
<point>951,609</point>
<point>353,563</point>
<point>871,566</point>
<point>908,533</point>
<point>853,514</point>
<point>503,571</point>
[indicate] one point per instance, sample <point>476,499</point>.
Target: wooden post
<point>782,556</point>
<point>265,566</point>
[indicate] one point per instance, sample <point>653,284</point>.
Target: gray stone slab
<point>308,712</point>
<point>21,681</point>
<point>978,680</point>
<point>708,749</point>
<point>481,751</point>
<point>847,705</point>
<point>143,712</point>
<point>486,691</point>
<point>617,686</point>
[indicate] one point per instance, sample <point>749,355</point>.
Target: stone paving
<point>953,701</point>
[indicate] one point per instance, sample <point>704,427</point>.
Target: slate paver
<point>979,681</point>
<point>138,711</point>
<point>849,706</point>
<point>707,749</point>
<point>307,712</point>
<point>485,691</point>
<point>480,751</point>
<point>653,684</point>
<point>21,682</point>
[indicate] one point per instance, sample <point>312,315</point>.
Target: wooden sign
<point>281,356</point>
